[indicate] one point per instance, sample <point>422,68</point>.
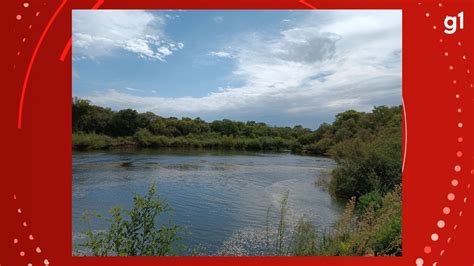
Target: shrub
<point>135,232</point>
<point>372,232</point>
<point>254,144</point>
<point>372,199</point>
<point>368,232</point>
<point>367,166</point>
<point>143,137</point>
<point>321,147</point>
<point>83,141</point>
<point>386,238</point>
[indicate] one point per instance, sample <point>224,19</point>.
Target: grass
<point>373,232</point>
<point>92,141</point>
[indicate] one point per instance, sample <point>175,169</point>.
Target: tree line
<point>96,127</point>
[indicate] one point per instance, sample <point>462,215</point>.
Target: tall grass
<point>374,232</point>
<point>92,141</point>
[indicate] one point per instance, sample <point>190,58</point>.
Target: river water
<point>220,198</point>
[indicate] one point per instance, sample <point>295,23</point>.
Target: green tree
<point>124,123</point>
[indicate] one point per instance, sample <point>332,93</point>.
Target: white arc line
<point>406,135</point>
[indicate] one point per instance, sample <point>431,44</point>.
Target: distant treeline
<point>96,127</point>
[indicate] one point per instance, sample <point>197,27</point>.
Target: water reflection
<point>216,195</point>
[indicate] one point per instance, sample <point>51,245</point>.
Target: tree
<point>80,108</point>
<point>89,118</point>
<point>124,123</point>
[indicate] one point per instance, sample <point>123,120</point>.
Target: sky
<point>284,68</point>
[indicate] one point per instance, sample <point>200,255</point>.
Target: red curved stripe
<point>68,45</point>
<point>98,4</point>
<point>32,60</point>
<point>66,49</point>
<point>307,4</point>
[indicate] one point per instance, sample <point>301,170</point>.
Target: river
<point>220,198</point>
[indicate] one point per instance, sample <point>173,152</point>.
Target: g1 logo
<point>450,23</point>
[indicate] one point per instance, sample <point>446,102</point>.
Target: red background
<point>35,182</point>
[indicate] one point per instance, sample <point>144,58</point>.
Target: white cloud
<point>218,19</point>
<point>98,33</point>
<point>171,17</point>
<point>221,54</point>
<point>133,89</point>
<point>75,74</point>
<point>328,62</point>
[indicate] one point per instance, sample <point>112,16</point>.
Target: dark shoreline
<point>137,147</point>
<point>91,142</point>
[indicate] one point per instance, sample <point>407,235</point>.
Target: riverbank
<point>92,141</point>
<point>96,127</point>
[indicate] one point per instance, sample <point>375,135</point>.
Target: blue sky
<point>280,67</point>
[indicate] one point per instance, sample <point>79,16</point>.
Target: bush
<point>254,144</point>
<point>386,237</point>
<point>144,138</point>
<point>372,200</point>
<point>367,166</point>
<point>136,235</point>
<point>371,232</point>
<point>93,141</point>
<point>321,147</point>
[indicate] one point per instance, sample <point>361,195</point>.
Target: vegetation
<point>374,232</point>
<point>95,127</point>
<point>367,165</point>
<point>365,146</point>
<point>137,235</point>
